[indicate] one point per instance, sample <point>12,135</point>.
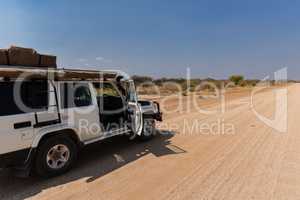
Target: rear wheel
<point>55,156</point>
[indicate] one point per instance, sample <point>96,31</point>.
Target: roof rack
<point>18,72</point>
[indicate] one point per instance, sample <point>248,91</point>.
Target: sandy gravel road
<point>244,160</point>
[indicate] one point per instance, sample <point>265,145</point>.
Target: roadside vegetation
<point>149,85</point>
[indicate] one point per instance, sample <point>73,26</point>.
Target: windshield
<point>106,89</point>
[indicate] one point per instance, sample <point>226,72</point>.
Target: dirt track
<point>252,162</point>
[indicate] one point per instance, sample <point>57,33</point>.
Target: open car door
<point>134,109</point>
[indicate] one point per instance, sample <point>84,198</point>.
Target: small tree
<point>237,79</point>
<point>141,79</point>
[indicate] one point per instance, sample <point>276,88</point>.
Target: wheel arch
<point>68,132</point>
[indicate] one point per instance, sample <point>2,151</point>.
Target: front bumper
<point>157,115</point>
<point>150,112</point>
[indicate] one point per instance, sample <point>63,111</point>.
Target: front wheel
<point>55,156</point>
<point>149,130</point>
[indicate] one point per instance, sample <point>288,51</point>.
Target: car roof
<point>60,74</point>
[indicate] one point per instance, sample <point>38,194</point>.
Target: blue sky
<point>160,38</point>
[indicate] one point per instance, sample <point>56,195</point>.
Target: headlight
<point>155,108</point>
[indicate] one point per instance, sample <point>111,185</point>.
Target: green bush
<point>236,79</point>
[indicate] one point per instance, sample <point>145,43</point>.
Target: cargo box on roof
<point>20,56</point>
<point>47,61</point>
<point>26,57</point>
<point>3,57</point>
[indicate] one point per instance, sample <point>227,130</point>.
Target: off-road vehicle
<point>48,115</point>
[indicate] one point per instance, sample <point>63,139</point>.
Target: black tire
<point>149,130</point>
<point>42,168</point>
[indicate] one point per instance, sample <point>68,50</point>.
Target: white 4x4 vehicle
<point>46,116</point>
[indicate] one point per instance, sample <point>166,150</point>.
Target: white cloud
<point>99,58</point>
<point>104,60</point>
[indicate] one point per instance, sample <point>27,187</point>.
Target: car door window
<point>82,96</point>
<point>33,94</point>
<point>75,95</point>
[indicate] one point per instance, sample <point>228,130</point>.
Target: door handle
<point>22,125</point>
